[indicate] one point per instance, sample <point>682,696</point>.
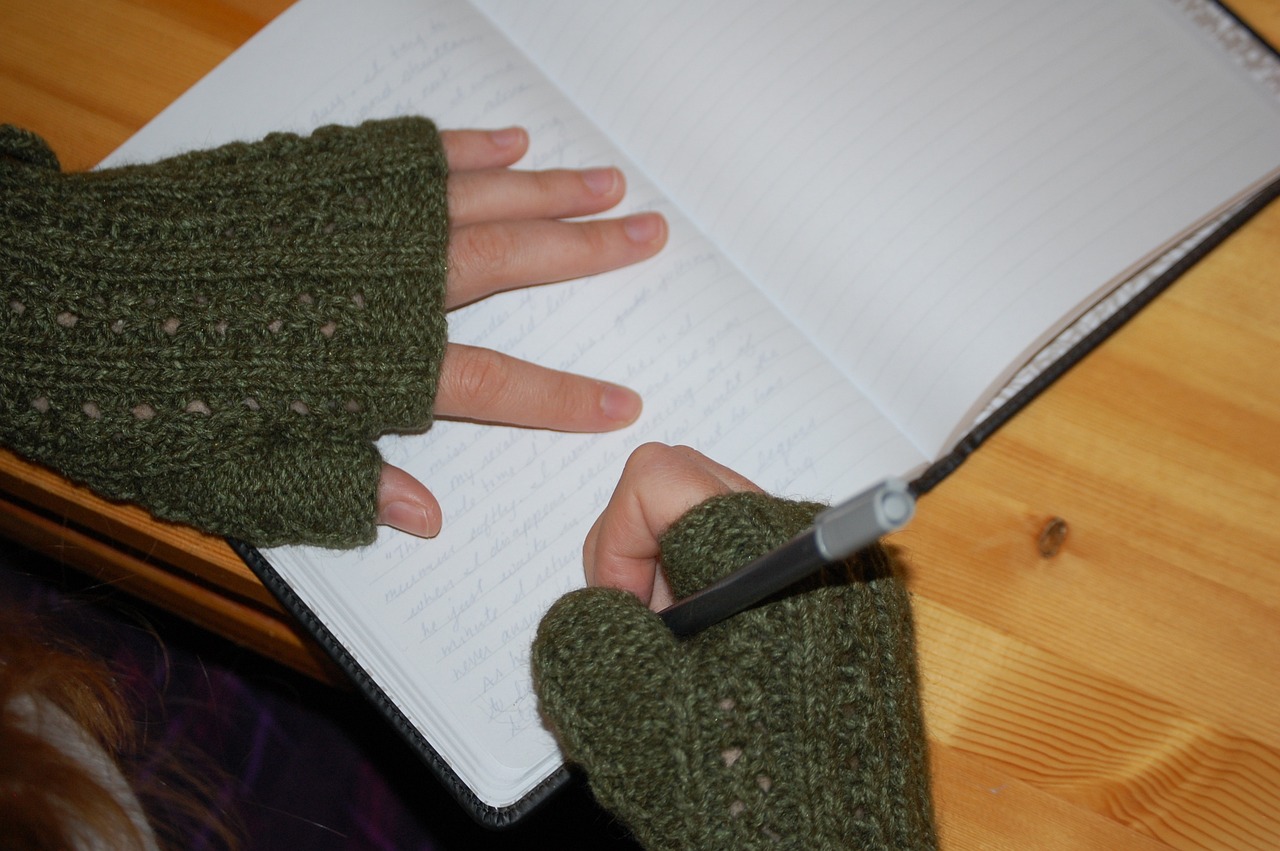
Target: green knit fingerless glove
<point>220,336</point>
<point>795,725</point>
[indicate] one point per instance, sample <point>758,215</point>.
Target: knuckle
<point>480,379</point>
<point>600,239</point>
<point>456,196</point>
<point>550,183</point>
<point>650,456</point>
<point>483,252</point>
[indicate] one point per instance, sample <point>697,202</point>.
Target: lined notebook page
<point>445,625</point>
<point>930,190</point>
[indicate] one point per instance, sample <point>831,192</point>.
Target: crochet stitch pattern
<point>220,336</point>
<point>793,725</point>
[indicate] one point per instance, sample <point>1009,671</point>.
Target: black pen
<point>836,533</point>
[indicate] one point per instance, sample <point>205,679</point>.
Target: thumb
<point>404,503</point>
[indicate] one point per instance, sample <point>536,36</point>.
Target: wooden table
<point>1121,694</point>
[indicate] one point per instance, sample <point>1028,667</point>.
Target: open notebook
<point>880,212</point>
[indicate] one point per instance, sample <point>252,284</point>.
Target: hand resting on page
<point>507,232</point>
<point>222,335</point>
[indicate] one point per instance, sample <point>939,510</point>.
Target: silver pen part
<point>843,529</point>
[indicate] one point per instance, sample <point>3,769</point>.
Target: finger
<point>732,480</point>
<point>473,149</point>
<point>467,150</point>
<point>506,195</point>
<point>489,258</point>
<point>487,386</point>
<point>641,470</point>
<point>658,485</point>
<point>404,503</point>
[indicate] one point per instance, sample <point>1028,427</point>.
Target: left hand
<point>507,232</point>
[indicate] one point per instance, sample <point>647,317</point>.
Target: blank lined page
<point>928,189</point>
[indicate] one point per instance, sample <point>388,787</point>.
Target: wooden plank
<point>183,548</point>
<point>1103,744</point>
<point>268,633</point>
<point>87,75</point>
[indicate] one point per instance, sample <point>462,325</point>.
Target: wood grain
<point>1121,694</point>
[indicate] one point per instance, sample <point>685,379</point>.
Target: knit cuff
<point>796,724</point>
<point>220,336</point>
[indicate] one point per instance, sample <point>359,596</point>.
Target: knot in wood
<point>1052,537</point>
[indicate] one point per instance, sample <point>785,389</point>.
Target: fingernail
<point>644,228</point>
<point>506,137</point>
<point>600,180</point>
<point>620,404</point>
<point>408,517</point>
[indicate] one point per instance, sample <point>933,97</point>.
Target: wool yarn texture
<point>222,335</point>
<point>793,725</point>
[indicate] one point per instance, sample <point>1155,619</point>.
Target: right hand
<point>658,485</point>
<point>794,724</point>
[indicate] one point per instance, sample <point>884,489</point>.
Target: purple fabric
<point>301,765</point>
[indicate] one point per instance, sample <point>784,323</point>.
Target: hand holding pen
<point>796,722</point>
<point>660,483</point>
